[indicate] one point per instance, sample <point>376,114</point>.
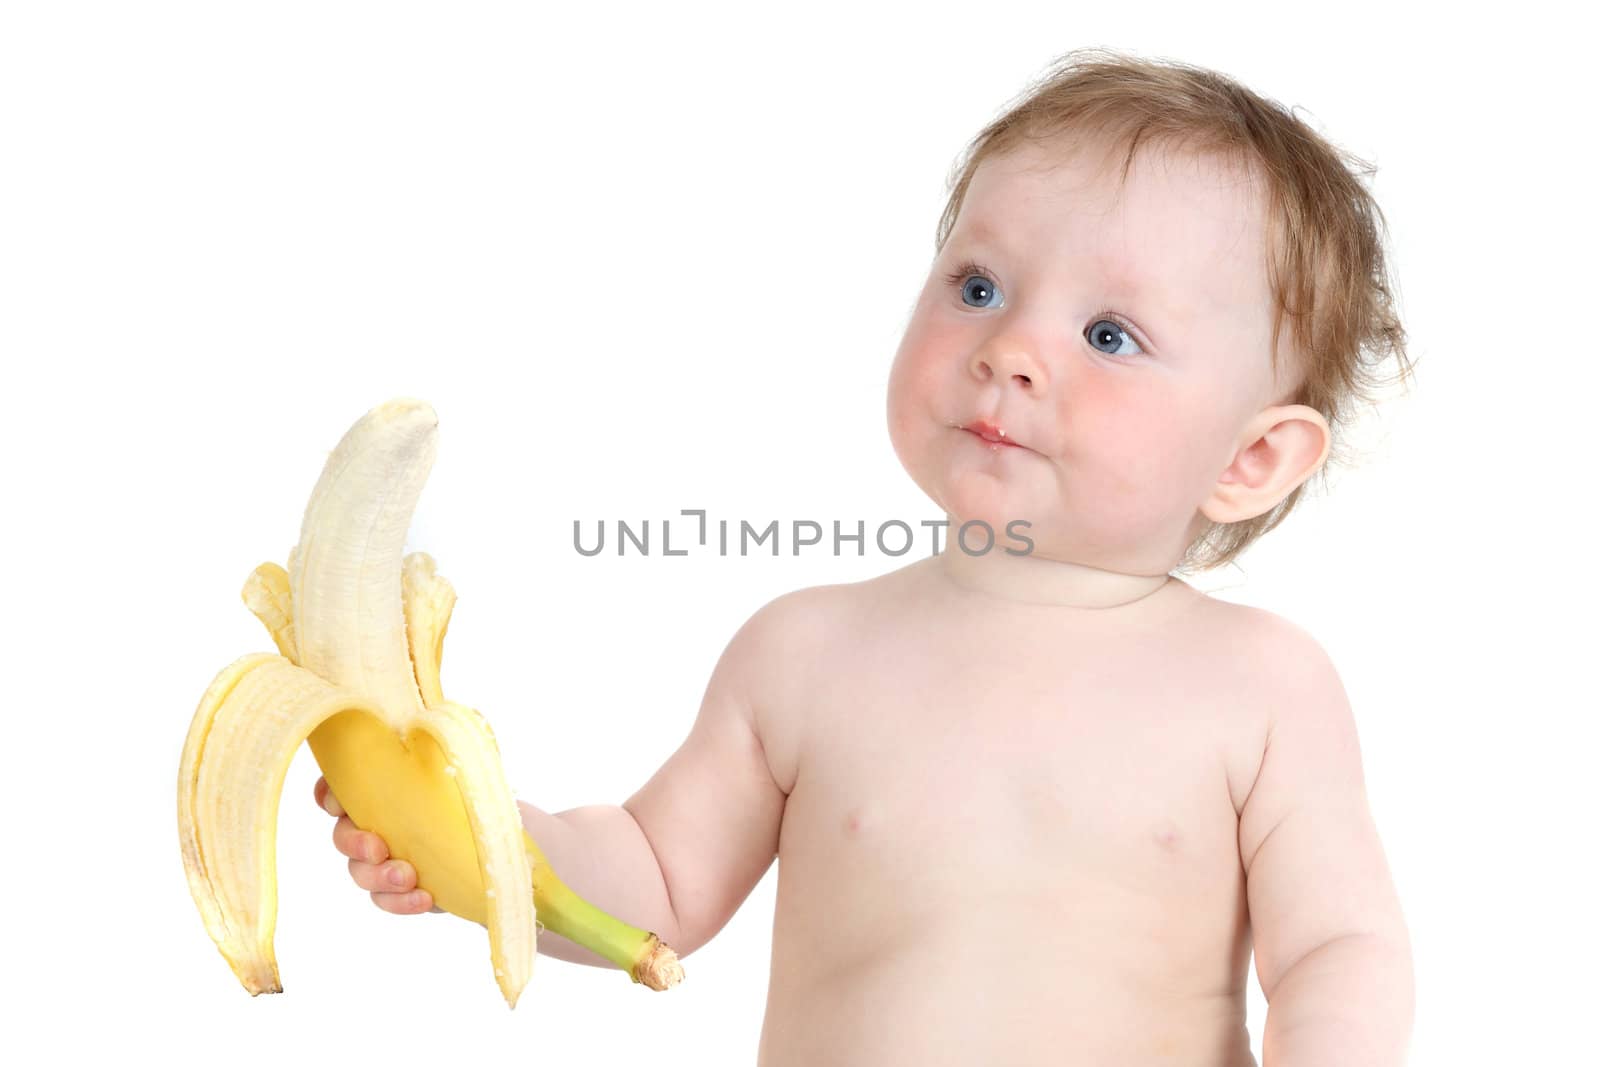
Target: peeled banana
<point>360,632</point>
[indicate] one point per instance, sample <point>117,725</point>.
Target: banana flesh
<point>359,631</point>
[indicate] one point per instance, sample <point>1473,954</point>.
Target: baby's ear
<point>1279,448</point>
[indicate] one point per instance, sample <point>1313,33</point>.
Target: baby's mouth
<point>991,433</point>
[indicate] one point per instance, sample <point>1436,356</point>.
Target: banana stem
<point>641,954</point>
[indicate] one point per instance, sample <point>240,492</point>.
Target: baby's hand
<point>392,883</point>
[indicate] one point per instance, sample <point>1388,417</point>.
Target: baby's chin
<point>1024,515</point>
<point>983,496</point>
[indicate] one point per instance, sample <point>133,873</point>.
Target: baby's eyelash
<point>1112,316</point>
<point>967,270</point>
<point>970,267</point>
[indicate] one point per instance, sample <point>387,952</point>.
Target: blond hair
<point>1325,246</point>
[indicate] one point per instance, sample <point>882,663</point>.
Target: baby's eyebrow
<point>980,230</point>
<point>1121,278</point>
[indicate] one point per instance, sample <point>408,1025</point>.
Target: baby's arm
<point>680,855</point>
<point>1332,952</point>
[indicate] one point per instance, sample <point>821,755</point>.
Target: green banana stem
<point>642,955</point>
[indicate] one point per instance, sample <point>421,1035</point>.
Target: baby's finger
<point>358,844</point>
<point>413,903</point>
<point>395,876</point>
<point>325,798</point>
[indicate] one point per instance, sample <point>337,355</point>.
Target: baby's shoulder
<point>778,655</point>
<point>1289,668</point>
<point>1250,634</point>
<point>794,628</point>
<point>1262,666</point>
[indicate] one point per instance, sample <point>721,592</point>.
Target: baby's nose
<point>1008,362</point>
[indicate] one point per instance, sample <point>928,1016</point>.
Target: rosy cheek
<point>1122,426</point>
<point>921,371</point>
<point>1095,410</point>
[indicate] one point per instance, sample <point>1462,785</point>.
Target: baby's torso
<point>1010,839</point>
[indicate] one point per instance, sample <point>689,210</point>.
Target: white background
<point>643,260</point>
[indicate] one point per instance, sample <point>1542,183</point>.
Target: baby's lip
<point>991,433</point>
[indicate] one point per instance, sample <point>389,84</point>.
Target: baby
<point>1037,806</point>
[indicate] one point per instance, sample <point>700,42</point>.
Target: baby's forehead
<point>1176,218</point>
<point>1160,179</point>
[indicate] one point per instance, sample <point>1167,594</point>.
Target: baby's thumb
<point>328,802</point>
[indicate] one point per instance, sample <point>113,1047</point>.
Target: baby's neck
<point>1034,579</point>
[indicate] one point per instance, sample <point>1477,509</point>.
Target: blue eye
<point>976,288</point>
<point>978,291</point>
<point>1107,331</point>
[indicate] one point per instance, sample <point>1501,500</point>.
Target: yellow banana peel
<point>360,634</point>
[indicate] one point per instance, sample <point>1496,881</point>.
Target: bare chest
<point>1017,807</point>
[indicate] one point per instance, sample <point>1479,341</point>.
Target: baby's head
<point>1168,292</point>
